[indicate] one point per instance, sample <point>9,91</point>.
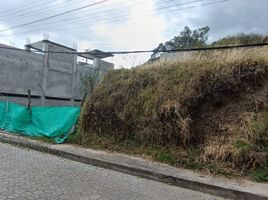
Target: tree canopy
<point>186,39</point>
<point>198,38</point>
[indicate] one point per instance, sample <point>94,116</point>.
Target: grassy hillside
<point>205,114</point>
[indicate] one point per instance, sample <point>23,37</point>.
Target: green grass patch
<point>260,129</point>
<point>164,155</point>
<point>243,145</point>
<point>174,156</point>
<point>260,174</point>
<point>73,138</point>
<point>43,139</point>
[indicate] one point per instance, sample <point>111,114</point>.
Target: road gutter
<point>232,189</point>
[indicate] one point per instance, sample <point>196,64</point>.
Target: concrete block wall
<point>20,71</point>
<point>54,79</point>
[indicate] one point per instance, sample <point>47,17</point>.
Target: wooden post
<point>84,99</point>
<point>29,100</point>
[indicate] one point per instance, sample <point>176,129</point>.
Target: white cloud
<point>142,30</point>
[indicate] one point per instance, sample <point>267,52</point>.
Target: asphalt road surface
<point>28,174</point>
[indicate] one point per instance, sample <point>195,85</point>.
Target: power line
<point>203,4</point>
<point>56,15</point>
<point>158,3</point>
<point>119,18</point>
<point>37,12</point>
<point>157,11</point>
<point>23,8</point>
<point>190,49</point>
<point>145,51</point>
<point>108,12</point>
<point>27,13</point>
<point>122,14</point>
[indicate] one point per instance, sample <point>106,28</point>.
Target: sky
<point>116,25</point>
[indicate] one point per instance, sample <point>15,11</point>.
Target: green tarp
<point>52,122</point>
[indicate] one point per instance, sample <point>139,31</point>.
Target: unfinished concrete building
<point>54,79</point>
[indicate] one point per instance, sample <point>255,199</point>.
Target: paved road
<point>27,174</point>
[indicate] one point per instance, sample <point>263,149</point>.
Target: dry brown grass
<point>218,56</point>
<point>209,103</point>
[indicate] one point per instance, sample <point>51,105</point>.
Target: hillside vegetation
<point>207,114</point>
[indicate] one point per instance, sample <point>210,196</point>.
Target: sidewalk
<point>233,189</point>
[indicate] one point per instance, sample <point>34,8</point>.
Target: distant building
<point>53,78</point>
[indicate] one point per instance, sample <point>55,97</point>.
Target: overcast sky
<point>126,25</point>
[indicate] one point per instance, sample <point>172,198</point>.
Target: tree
<point>186,39</point>
<point>90,80</point>
<point>161,47</point>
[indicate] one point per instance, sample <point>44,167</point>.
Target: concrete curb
<point>150,170</point>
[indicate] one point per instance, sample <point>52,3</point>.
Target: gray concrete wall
<point>54,79</point>
<point>20,71</point>
<point>83,70</point>
<point>59,79</point>
<point>104,66</point>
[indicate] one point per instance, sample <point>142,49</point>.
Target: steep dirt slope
<point>219,109</point>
